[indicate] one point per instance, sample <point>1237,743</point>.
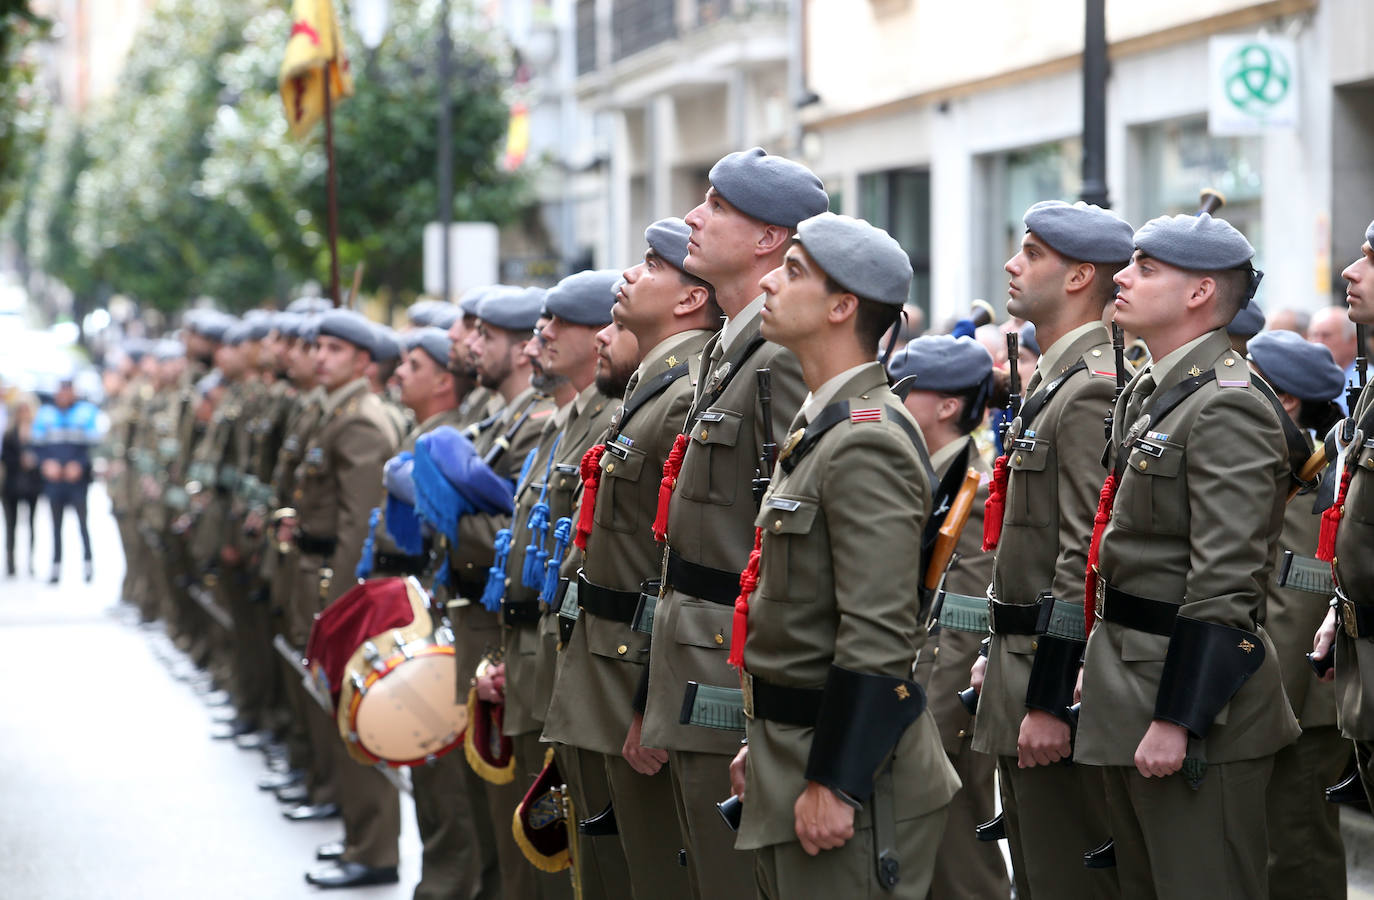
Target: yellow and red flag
<point>314,51</point>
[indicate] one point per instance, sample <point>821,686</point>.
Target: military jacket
<point>1196,517</point>
<point>336,482</point>
<point>1354,568</point>
<point>601,666</point>
<point>382,541</point>
<point>836,588</point>
<point>293,591</point>
<point>1055,478</point>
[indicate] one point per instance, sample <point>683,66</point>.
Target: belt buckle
<point>746,686</point>
<point>1100,595</point>
<point>1348,619</point>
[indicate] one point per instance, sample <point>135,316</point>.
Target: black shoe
<point>350,874</point>
<point>217,698</point>
<point>308,812</point>
<point>600,825</point>
<point>232,729</point>
<point>1101,857</point>
<point>992,830</point>
<point>253,740</point>
<point>226,713</point>
<point>1349,791</point>
<point>88,571</point>
<point>56,576</point>
<point>278,780</point>
<point>294,794</point>
<point>331,850</point>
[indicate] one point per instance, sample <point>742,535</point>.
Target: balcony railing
<point>638,25</point>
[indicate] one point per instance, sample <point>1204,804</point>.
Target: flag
<point>517,136</point>
<point>314,48</point>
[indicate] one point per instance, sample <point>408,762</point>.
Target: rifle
<point>1354,388</point>
<point>502,443</point>
<point>763,475</point>
<point>1119,350</point>
<point>1013,384</point>
<point>953,526</point>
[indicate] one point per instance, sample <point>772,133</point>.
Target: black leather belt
<point>466,588</point>
<point>525,613</point>
<point>310,545</point>
<point>1019,618</point>
<point>1356,619</point>
<point>605,603</point>
<point>696,580</point>
<point>399,564</point>
<point>776,703</point>
<point>1138,613</point>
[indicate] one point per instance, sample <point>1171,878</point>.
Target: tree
<point>22,111</point>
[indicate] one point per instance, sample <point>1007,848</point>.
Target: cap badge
<point>1246,645</point>
<point>1195,371</point>
<point>671,360</point>
<point>902,692</point>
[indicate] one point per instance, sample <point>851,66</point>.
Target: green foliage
<point>23,114</point>
<point>185,182</point>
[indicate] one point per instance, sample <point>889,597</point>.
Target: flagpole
<point>331,190</point>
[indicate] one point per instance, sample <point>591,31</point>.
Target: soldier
<point>1352,564</point>
<point>1048,480</point>
<point>944,383</point>
<point>480,403</point>
<point>381,374</point>
<point>1306,853</point>
<point>603,662</point>
<point>336,485</point>
<point>1179,677</point>
<point>739,233</point>
<point>844,783</point>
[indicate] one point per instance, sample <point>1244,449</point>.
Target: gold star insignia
<point>1246,646</point>
<point>902,692</point>
<point>1195,371</point>
<point>671,360</point>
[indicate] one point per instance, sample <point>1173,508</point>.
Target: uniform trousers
<point>965,867</point>
<point>1177,843</point>
<point>1306,853</point>
<point>649,832</point>
<point>1060,815</point>
<point>604,874</point>
<point>786,872</point>
<point>715,869</point>
<point>458,852</point>
<point>370,806</point>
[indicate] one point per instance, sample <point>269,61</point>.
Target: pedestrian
<point>23,483</point>
<point>64,431</point>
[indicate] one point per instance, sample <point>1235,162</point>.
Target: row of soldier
<point>634,440</point>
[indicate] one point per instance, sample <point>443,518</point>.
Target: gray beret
<point>288,324</point>
<point>1295,366</point>
<point>514,309</point>
<point>167,349</point>
<point>668,238</point>
<point>208,382</point>
<point>444,315</point>
<point>584,298</point>
<point>773,189</point>
<point>1369,235</point>
<point>1200,243</point>
<point>421,312</point>
<point>347,325</point>
<point>1248,322</point>
<point>136,348</point>
<point>470,301</point>
<point>213,325</point>
<point>940,362</point>
<point>386,346</point>
<point>309,305</point>
<point>1027,338</point>
<point>433,341</point>
<point>259,322</point>
<point>237,333</point>
<point>861,258</point>
<point>309,329</point>
<point>1081,232</point>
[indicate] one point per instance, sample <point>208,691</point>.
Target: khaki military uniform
<point>602,666</point>
<point>1196,516</point>
<point>336,484</point>
<point>1306,852</point>
<point>964,866</point>
<point>710,526</point>
<point>835,590</point>
<point>1053,813</point>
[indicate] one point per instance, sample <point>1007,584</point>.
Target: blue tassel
<point>535,554</point>
<point>441,578</point>
<point>562,536</point>
<point>402,523</point>
<point>364,567</point>
<point>496,575</point>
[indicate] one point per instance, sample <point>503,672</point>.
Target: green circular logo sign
<point>1257,79</point>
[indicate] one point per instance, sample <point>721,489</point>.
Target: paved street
<point>112,788</point>
<point>111,785</point>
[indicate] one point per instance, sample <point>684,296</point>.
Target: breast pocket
<point>1154,497</point>
<point>621,469</point>
<point>714,438</point>
<point>1030,495</point>
<point>789,566</point>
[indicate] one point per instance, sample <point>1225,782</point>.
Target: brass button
<point>1229,362</point>
<point>1097,353</point>
<point>935,652</point>
<point>720,639</point>
<point>705,434</point>
<point>610,467</point>
<point>962,732</point>
<point>777,524</point>
<point>1144,464</point>
<point>1035,645</point>
<point>622,649</point>
<point>299,494</point>
<point>1018,459</point>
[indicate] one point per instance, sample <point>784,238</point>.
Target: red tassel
<point>1105,501</point>
<point>671,467</point>
<point>995,506</point>
<point>1331,520</point>
<point>591,480</point>
<point>748,580</point>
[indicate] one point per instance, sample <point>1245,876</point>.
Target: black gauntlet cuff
<point>862,717</point>
<point>1205,667</point>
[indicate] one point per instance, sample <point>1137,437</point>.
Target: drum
<point>396,702</point>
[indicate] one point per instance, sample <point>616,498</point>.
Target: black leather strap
<point>736,362</point>
<point>1139,613</point>
<point>642,395</point>
<point>1041,398</point>
<point>788,705</point>
<point>836,413</point>
<point>605,603</point>
<point>715,585</point>
<point>526,613</point>
<point>399,564</point>
<point>1163,404</point>
<point>312,545</point>
<point>1020,618</point>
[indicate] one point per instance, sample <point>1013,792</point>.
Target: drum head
<point>411,712</point>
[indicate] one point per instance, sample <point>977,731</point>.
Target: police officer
<point>844,783</point>
<point>1183,704</point>
<point>739,233</point>
<point>1045,496</point>
<point>944,382</point>
<point>1306,853</point>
